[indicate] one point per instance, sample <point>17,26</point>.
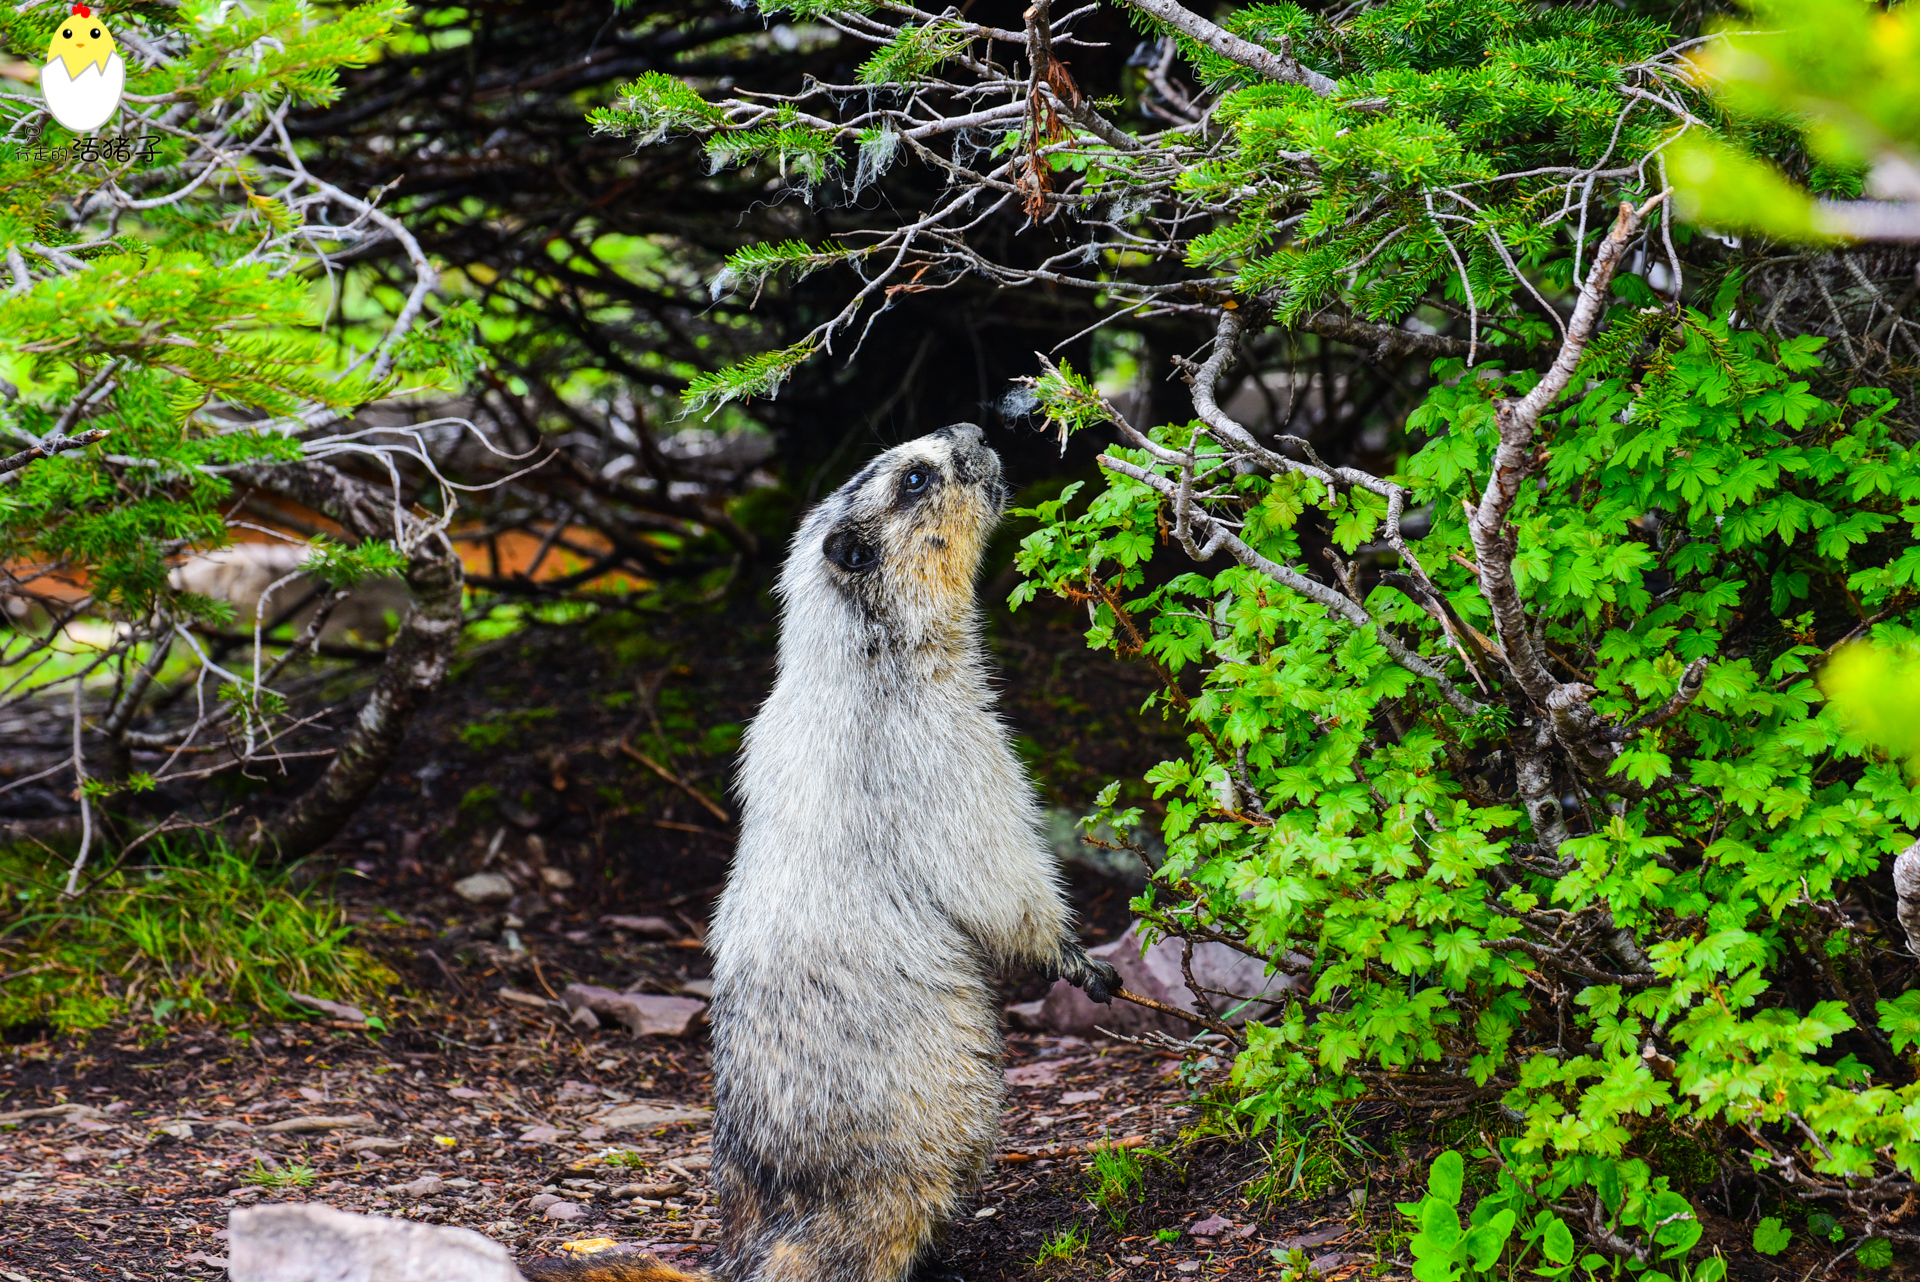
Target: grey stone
<point>484,888</point>
<point>425,1186</point>
<point>541,1201</point>
<point>564,1211</point>
<point>643,1115</point>
<point>374,1144</point>
<point>312,1243</point>
<point>643,1013</point>
<point>1066,1009</point>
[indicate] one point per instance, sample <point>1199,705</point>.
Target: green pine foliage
<point>1436,96</point>
<point>756,376</point>
<point>914,52</point>
<point>207,299</point>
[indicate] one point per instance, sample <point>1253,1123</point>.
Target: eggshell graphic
<point>86,103</point>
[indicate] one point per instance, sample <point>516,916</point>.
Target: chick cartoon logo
<point>85,75</point>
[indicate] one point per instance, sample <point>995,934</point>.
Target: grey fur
<point>891,855</point>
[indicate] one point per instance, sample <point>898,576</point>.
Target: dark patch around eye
<point>846,549</point>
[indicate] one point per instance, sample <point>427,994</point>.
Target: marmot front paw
<point>1096,978</point>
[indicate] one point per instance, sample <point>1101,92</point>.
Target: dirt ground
<point>152,1147</point>
<point>480,1105</point>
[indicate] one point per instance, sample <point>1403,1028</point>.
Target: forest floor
<point>480,1104</point>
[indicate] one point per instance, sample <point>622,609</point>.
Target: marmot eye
<point>845,549</point>
<point>916,481</point>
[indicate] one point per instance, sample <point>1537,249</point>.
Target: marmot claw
<point>1097,979</point>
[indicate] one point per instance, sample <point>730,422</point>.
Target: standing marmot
<point>889,859</point>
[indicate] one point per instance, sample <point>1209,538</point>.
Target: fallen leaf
<point>338,1010</point>
<point>1044,1073</point>
<point>588,1245</point>
<point>1211,1226</point>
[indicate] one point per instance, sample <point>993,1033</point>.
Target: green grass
<point>1062,1244</point>
<point>291,1176</point>
<point>1313,1155</point>
<point>1117,1178</point>
<point>198,931</point>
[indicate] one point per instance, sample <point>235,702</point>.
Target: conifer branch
<point>1274,66</point>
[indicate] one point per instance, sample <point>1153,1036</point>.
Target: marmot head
<point>897,547</point>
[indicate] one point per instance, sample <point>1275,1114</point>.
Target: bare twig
<point>51,446</point>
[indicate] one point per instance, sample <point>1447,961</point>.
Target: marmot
<point>890,858</point>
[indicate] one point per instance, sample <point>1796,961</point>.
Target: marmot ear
<point>846,549</point>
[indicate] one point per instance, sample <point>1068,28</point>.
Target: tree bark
<point>416,662</point>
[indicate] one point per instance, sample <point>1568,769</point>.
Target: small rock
<point>1157,974</point>
<point>564,1211</point>
<point>1188,1266</point>
<point>1134,1259</point>
<point>644,1115</point>
<point>484,888</point>
<point>701,988</point>
<point>459,1184</point>
<point>425,1186</point>
<point>1081,1097</point>
<point>651,927</point>
<point>541,1201</point>
<point>541,1134</point>
<point>591,1133</point>
<point>295,1242</point>
<point>558,878</point>
<point>986,1213</point>
<point>627,1192</point>
<point>643,1013</point>
<point>179,1130</point>
<point>1212,1226</point>
<point>374,1144</point>
<point>312,1096</point>
<point>117,1107</point>
<point>583,1017</point>
<point>466,1092</point>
